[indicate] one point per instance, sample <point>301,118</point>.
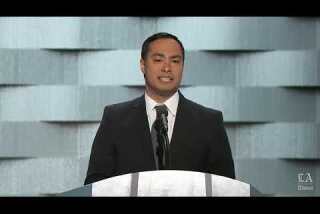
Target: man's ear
<point>142,66</point>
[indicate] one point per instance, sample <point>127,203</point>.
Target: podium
<point>162,183</point>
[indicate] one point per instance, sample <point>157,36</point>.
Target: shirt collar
<point>171,103</point>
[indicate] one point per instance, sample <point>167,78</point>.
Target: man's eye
<point>176,61</point>
<point>157,60</point>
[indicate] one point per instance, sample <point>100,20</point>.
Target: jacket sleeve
<point>220,156</point>
<point>102,157</point>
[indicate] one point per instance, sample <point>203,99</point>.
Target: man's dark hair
<point>161,35</point>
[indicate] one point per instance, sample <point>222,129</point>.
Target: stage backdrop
<point>58,73</point>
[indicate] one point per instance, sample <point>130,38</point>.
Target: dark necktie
<point>160,140</point>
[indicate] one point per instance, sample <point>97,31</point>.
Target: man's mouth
<point>165,79</point>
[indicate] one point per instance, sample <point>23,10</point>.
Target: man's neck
<point>158,98</point>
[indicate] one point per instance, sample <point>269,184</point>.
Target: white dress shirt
<point>172,105</point>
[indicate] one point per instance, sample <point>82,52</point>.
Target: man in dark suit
<point>125,141</point>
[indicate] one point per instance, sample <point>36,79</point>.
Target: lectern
<point>165,183</point>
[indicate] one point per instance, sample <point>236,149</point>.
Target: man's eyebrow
<point>157,54</point>
<point>162,55</point>
<point>176,56</point>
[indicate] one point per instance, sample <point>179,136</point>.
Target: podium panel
<point>164,183</point>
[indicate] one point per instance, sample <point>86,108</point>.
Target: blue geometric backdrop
<point>58,73</point>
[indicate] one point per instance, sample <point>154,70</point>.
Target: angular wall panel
<point>280,177</point>
<point>41,139</point>
<point>82,32</point>
<point>86,133</point>
<point>257,104</point>
<point>29,177</point>
<point>278,68</point>
<point>277,140</point>
<point>272,68</point>
<point>37,67</point>
<point>270,140</point>
<point>318,34</point>
<point>209,68</point>
<point>69,103</point>
<point>244,33</point>
<point>277,104</point>
<point>115,32</point>
<point>121,67</point>
<point>128,32</point>
<point>34,139</point>
<point>60,103</point>
<point>35,32</point>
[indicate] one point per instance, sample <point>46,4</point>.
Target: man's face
<point>162,67</point>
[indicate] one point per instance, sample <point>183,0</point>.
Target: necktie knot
<point>161,109</point>
<point>162,120</point>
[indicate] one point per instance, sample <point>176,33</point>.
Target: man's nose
<point>166,67</point>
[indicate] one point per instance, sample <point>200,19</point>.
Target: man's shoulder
<point>124,106</point>
<point>201,109</point>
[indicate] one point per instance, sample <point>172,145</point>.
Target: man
<point>194,139</point>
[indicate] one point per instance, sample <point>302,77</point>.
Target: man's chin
<point>166,93</point>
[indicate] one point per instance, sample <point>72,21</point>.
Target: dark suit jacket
<point>123,141</point>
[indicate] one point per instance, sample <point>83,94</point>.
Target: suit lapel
<point>181,127</point>
<point>139,123</point>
